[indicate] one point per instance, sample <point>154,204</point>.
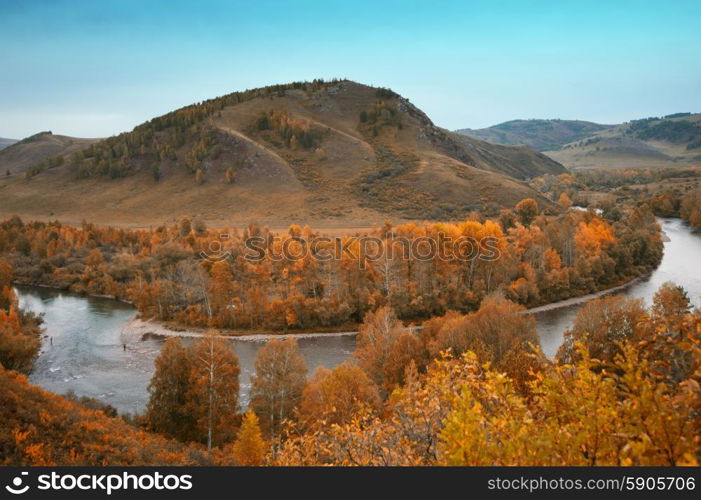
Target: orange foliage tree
<point>334,396</point>
<point>194,391</point>
<point>276,387</point>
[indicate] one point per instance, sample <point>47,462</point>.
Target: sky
<point>98,68</point>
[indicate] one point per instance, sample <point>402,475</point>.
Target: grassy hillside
<point>520,162</point>
<point>672,141</point>
<point>330,153</point>
<point>39,149</point>
<point>541,135</point>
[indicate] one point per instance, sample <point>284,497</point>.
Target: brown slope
<point>353,172</point>
<point>18,157</point>
<point>520,162</point>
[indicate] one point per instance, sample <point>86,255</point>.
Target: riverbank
<point>584,298</point>
<point>68,290</point>
<point>137,329</point>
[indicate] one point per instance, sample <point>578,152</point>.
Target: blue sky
<point>97,68</point>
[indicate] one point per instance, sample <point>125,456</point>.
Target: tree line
<point>667,192</point>
<point>19,330</point>
<point>541,259</point>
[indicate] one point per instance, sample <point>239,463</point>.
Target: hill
<point>671,141</point>
<point>19,156</point>
<point>520,162</point>
<point>6,142</point>
<point>541,135</point>
<point>329,153</point>
<point>40,428</point>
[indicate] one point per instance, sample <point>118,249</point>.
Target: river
<point>82,351</point>
<point>681,264</point>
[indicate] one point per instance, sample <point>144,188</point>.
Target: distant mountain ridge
<point>6,142</point>
<point>541,135</point>
<point>656,142</point>
<point>19,156</point>
<point>335,153</point>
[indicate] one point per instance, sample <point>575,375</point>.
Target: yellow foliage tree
<point>249,448</point>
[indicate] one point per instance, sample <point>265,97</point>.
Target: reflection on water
<point>82,351</point>
<point>681,264</point>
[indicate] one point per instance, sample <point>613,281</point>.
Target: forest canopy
<point>541,259</point>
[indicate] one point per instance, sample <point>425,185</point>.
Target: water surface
<point>82,351</point>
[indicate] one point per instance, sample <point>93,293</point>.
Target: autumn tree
<point>250,448</point>
<point>670,306</point>
<point>672,350</point>
<point>215,387</point>
<point>408,432</point>
<point>526,210</point>
<point>334,396</point>
<point>602,324</point>
<point>276,387</point>
<point>168,412</point>
<point>498,332</point>
<point>7,296</point>
<point>377,334</point>
<point>564,201</point>
<point>554,258</point>
<point>19,339</point>
<point>95,258</point>
<point>40,428</point>
<point>404,350</point>
<point>464,412</point>
<point>581,415</point>
<point>690,208</point>
<point>507,219</point>
<point>593,237</point>
<point>19,330</point>
<point>194,391</point>
<point>221,296</point>
<point>185,226</point>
